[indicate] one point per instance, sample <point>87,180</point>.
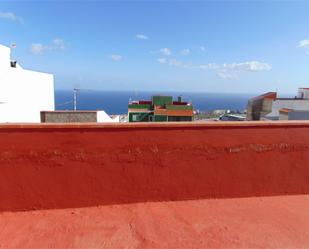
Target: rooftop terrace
<point>154,185</point>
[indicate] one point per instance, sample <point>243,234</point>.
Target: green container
<point>162,100</point>
<point>134,106</point>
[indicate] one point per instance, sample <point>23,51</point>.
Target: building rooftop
<point>286,110</point>
<point>269,95</point>
<point>160,108</point>
<point>155,185</point>
<point>263,222</point>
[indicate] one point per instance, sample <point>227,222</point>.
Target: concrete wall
<point>298,115</point>
<point>59,166</point>
<point>258,108</point>
<point>303,93</point>
<point>69,117</point>
<point>23,93</point>
<point>283,115</point>
<point>77,117</point>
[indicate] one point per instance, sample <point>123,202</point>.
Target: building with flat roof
<point>160,109</point>
<point>23,93</point>
<point>268,105</point>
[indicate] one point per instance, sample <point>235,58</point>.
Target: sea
<point>116,102</point>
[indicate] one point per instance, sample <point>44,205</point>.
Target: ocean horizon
<point>116,102</point>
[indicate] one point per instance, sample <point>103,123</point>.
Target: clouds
<point>116,57</point>
<point>202,48</point>
<point>231,71</point>
<point>227,74</point>
<point>11,16</point>
<point>208,66</point>
<point>39,48</point>
<point>224,71</point>
<point>171,62</point>
<point>304,44</point>
<point>162,60</point>
<point>166,51</point>
<point>185,51</point>
<point>141,37</point>
<point>178,63</point>
<point>250,66</point>
<point>59,43</point>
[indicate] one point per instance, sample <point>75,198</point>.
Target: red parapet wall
<point>61,166</point>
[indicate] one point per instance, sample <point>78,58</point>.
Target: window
<point>134,117</point>
<point>13,63</point>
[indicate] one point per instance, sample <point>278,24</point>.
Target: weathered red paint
<point>63,166</point>
<point>258,222</point>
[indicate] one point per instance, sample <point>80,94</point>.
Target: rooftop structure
<point>23,93</point>
<point>79,116</point>
<point>268,105</point>
<point>155,185</point>
<point>160,109</point>
<point>290,114</point>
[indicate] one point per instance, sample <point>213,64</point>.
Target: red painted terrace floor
<point>257,222</point>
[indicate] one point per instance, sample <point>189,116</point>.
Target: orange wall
<point>59,166</point>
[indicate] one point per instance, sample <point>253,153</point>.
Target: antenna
<point>75,91</point>
<point>13,46</point>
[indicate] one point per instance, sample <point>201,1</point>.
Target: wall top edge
<point>157,125</point>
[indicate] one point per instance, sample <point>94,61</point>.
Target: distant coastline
<point>116,102</point>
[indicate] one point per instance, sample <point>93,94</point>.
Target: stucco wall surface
<point>23,93</point>
<point>67,166</point>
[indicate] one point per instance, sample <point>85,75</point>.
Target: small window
<point>134,117</point>
<point>13,64</point>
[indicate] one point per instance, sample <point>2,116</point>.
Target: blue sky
<point>237,47</point>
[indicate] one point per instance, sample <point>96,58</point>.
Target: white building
<point>289,114</point>
<point>23,93</point>
<point>300,103</point>
<point>268,106</point>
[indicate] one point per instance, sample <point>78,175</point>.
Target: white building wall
<point>299,115</point>
<point>295,104</point>
<point>103,117</point>
<point>23,93</point>
<point>303,93</point>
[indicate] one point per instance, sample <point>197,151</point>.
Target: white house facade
<point>23,93</point>
<point>298,103</point>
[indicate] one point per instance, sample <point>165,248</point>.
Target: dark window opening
<point>13,64</point>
